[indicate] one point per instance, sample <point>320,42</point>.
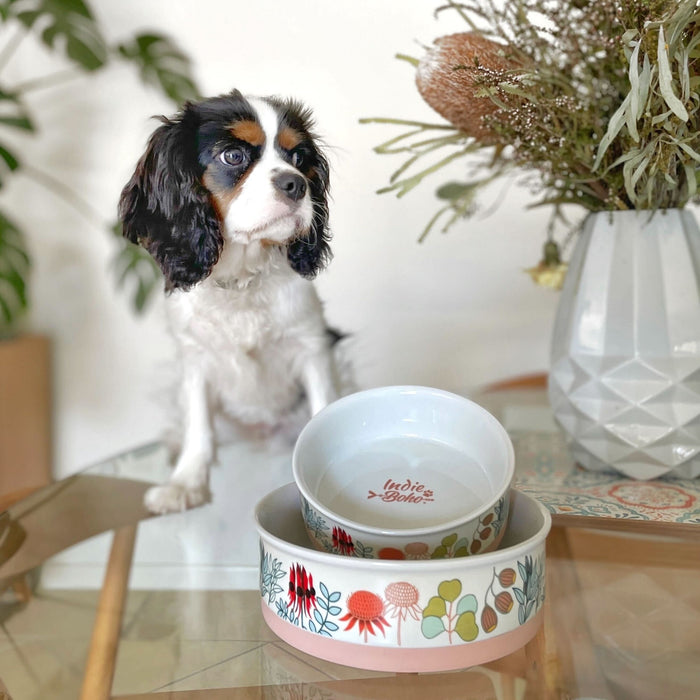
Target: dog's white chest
<point>250,343</point>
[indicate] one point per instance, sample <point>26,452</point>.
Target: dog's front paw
<point>174,497</point>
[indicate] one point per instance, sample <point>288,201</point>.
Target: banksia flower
<point>449,78</point>
<point>402,601</point>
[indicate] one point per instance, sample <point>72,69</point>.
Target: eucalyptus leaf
<point>635,94</point>
<point>454,190</point>
<point>665,80</point>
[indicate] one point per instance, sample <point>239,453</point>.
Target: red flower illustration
<point>342,542</point>
<point>367,609</point>
<point>302,594</point>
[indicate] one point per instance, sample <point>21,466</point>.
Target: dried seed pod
<point>448,78</point>
<point>489,619</point>
<point>504,602</point>
<point>506,577</point>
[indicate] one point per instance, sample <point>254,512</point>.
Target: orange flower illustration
<point>366,609</point>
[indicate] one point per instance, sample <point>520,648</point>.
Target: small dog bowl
<point>401,615</point>
<point>404,473</point>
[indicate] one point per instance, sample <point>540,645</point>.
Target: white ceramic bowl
<point>404,472</point>
<point>401,615</point>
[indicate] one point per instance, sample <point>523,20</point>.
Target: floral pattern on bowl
<point>427,615</point>
<point>474,537</point>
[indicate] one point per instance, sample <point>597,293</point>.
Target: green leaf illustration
<point>466,627</point>
<point>432,626</point>
<point>467,603</point>
<point>449,540</point>
<point>436,607</point>
<point>439,553</point>
<point>450,590</point>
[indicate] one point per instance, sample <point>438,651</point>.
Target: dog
<point>230,199</point>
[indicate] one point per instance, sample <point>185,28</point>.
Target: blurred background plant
<point>594,103</point>
<point>72,35</point>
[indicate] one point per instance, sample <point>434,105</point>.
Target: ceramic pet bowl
<point>404,472</point>
<point>401,615</point>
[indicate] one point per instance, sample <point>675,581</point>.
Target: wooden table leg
<point>102,655</point>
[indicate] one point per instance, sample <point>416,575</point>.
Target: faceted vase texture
<point>624,381</point>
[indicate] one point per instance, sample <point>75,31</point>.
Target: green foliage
<point>601,108</point>
<point>68,25</point>
<point>162,64</point>
<point>69,29</point>
<point>134,265</point>
<point>442,615</point>
<point>14,267</point>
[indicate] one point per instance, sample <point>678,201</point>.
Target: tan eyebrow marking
<point>248,130</point>
<point>289,138</point>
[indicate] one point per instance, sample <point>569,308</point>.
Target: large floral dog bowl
<point>401,615</point>
<point>403,472</point>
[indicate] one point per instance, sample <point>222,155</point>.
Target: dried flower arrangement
<point>597,102</point>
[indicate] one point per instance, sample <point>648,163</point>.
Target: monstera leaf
<point>134,263</point>
<point>67,25</point>
<point>14,267</point>
<point>13,113</point>
<point>161,64</point>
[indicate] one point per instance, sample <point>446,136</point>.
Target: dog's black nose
<point>291,185</point>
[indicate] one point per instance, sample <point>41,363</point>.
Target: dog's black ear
<point>311,252</point>
<point>166,209</point>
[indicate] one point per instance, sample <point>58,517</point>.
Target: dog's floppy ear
<point>166,209</point>
<point>310,252</point>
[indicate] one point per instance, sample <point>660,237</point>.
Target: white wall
<point>454,312</point>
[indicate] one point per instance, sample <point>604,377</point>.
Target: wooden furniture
<point>25,416</point>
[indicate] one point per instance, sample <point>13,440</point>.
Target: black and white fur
<point>230,199</point>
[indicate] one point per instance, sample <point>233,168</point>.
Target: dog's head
<point>229,169</point>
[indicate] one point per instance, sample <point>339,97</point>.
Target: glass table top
<point>622,614</point>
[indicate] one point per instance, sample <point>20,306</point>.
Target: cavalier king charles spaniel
<point>230,199</point>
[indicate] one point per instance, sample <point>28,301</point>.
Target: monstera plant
<point>71,33</point>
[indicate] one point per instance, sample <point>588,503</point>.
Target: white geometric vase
<point>624,380</point>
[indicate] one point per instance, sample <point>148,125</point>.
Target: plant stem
<point>66,193</point>
<point>11,46</point>
<point>47,81</point>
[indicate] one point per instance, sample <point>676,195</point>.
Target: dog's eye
<point>233,156</point>
<point>297,158</point>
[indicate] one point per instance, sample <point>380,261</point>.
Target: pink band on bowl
<point>403,660</point>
